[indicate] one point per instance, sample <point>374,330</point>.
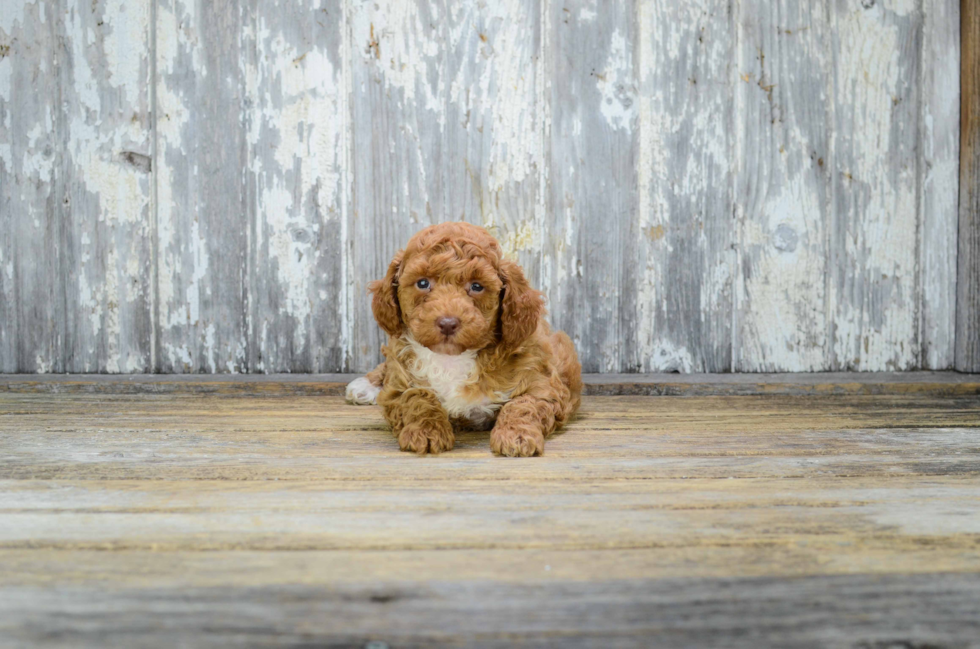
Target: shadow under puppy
<point>468,348</point>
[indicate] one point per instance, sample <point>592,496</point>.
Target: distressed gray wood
<point>297,121</point>
<point>925,610</point>
<point>685,230</point>
<point>495,120</point>
<point>137,520</point>
<point>783,194</point>
<point>968,282</point>
<point>76,185</point>
<point>874,231</point>
<point>204,205</point>
<point>32,189</point>
<point>592,194</point>
<point>939,134</point>
<point>656,168</point>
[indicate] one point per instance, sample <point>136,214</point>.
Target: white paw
<point>362,392</point>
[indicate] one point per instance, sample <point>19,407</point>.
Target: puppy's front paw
<point>361,392</point>
<point>516,443</point>
<point>427,438</point>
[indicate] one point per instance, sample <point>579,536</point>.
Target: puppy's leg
<point>522,425</point>
<point>418,420</point>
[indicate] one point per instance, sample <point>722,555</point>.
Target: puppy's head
<point>453,291</point>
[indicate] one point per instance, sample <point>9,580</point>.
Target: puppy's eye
<point>422,284</point>
<point>476,287</point>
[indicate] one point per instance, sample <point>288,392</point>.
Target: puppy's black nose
<point>448,326</point>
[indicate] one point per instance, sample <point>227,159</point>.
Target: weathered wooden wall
<point>208,185</point>
<point>968,278</point>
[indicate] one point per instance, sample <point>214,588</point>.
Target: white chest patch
<point>447,376</point>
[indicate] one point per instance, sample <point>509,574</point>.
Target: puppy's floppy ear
<point>385,301</point>
<point>520,306</point>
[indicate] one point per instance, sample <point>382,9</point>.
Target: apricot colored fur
<point>530,373</point>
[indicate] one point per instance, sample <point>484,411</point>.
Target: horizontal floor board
<point>646,514</point>
<point>919,610</point>
<point>180,437</point>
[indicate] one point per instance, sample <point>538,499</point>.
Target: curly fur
<point>502,368</point>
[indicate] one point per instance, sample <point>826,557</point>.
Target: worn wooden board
<point>75,187</point>
<point>297,114</point>
<point>32,188</point>
<point>203,203</point>
<point>874,231</point>
<point>320,438</point>
<point>968,282</point>
<point>783,195</point>
<point>848,611</point>
<point>684,235</point>
<point>738,521</point>
<point>938,183</point>
<point>592,179</point>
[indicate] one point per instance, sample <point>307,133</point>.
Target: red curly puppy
<point>468,348</point>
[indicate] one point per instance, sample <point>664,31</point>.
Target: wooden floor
<point>188,519</point>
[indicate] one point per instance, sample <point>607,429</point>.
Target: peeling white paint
<point>616,85</point>
<point>470,86</point>
<point>665,356</point>
<point>885,204</point>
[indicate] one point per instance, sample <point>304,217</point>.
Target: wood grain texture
<point>935,610</point>
<point>783,204</point>
<point>685,232</point>
<point>495,123</point>
<point>297,116</point>
<point>191,186</point>
<point>76,186</point>
<point>968,275</point>
<point>32,191</point>
<point>939,71</point>
<point>294,521</point>
<point>321,439</point>
<point>592,198</point>
<point>203,203</point>
<point>874,231</point>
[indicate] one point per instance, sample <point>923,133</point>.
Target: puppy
<point>468,348</point>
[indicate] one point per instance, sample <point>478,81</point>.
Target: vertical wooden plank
<point>79,186</point>
<point>398,74</point>
<point>685,237</point>
<point>297,120</point>
<point>494,123</point>
<point>874,234</point>
<point>783,195</point>
<point>32,188</point>
<point>204,206</point>
<point>107,250</point>
<point>968,275</point>
<point>593,181</point>
<point>939,170</point>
